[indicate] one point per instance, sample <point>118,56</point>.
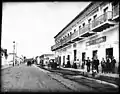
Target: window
<point>83,24</point>
<point>95,16</point>
<point>74,30</point>
<point>105,10</point>
<point>89,20</point>
<point>79,27</point>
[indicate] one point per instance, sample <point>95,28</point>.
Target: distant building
<point>37,59</point>
<point>45,58</point>
<point>94,32</point>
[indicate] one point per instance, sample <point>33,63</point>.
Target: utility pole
<point>13,53</point>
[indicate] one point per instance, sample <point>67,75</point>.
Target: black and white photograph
<point>61,47</point>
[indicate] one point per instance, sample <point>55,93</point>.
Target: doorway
<point>83,56</point>
<point>109,52</point>
<point>94,53</point>
<point>64,59</point>
<point>75,53</point>
<point>59,60</point>
<point>68,57</point>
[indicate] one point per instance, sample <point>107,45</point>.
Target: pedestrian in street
<point>68,65</point>
<point>96,64</point>
<point>103,65</point>
<point>113,61</point>
<point>108,64</point>
<point>74,65</point>
<point>93,64</point>
<point>83,64</point>
<point>88,62</point>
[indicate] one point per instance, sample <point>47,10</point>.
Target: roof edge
<point>75,18</point>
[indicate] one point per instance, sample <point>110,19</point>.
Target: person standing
<point>93,64</point>
<point>113,61</point>
<point>103,65</point>
<point>97,64</point>
<point>88,64</point>
<point>108,64</point>
<point>83,63</point>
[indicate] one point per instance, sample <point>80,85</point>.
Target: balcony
<point>102,22</point>
<point>116,12</point>
<point>53,48</point>
<point>58,45</point>
<point>63,42</point>
<point>68,40</point>
<point>85,31</point>
<point>75,36</point>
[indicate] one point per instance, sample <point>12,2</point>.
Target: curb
<point>5,67</point>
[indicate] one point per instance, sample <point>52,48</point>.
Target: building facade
<point>4,57</point>
<point>93,32</point>
<point>44,59</point>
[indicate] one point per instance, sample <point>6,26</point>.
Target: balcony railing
<point>59,44</point>
<point>75,35</point>
<point>101,19</point>
<point>68,39</point>
<point>84,29</point>
<point>63,42</point>
<point>116,10</point>
<point>53,47</point>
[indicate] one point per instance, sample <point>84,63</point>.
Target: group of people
<point>30,62</point>
<point>108,65</point>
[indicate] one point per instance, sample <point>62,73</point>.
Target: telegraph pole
<point>13,53</point>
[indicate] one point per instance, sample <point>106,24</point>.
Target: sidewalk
<point>109,79</point>
<point>99,74</point>
<point>5,66</point>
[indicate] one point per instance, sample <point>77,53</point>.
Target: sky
<point>33,25</point>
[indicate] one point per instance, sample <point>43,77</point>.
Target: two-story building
<point>93,32</point>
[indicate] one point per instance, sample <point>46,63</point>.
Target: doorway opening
<point>94,54</point>
<point>75,53</point>
<point>109,52</point>
<point>68,57</point>
<point>83,56</point>
<point>59,60</point>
